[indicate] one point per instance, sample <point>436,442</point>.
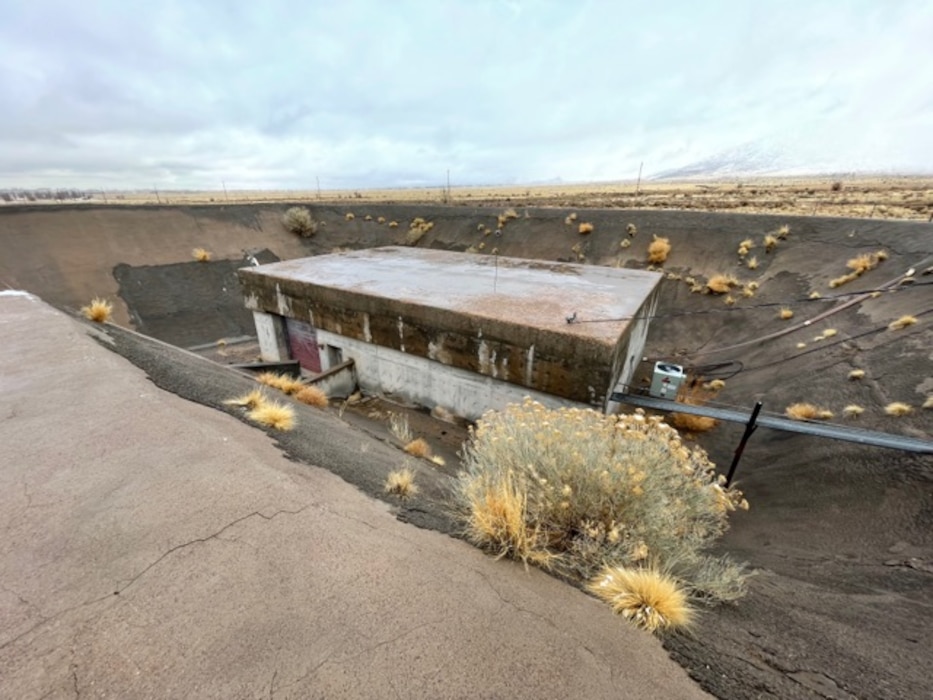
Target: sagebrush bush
<point>574,491</point>
<point>298,220</point>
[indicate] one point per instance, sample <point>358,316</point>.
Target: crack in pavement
<point>149,567</point>
<point>201,540</point>
<point>366,650</point>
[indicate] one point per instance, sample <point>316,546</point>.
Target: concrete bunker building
<point>464,331</point>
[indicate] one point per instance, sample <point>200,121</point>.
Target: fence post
<point>749,429</point>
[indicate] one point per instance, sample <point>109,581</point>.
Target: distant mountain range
<point>749,160</point>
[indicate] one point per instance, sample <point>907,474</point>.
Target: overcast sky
<point>376,93</point>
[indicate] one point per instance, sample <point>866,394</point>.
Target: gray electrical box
<point>666,380</point>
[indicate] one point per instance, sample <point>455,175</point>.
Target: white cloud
<point>366,93</point>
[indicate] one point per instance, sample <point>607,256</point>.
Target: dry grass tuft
<point>570,218</point>
<point>852,411</point>
<point>651,599</point>
<point>399,427</point>
<point>786,314</point>
<point>381,220</point>
<point>721,284</point>
<point>585,227</point>
<point>783,232</point>
<point>844,279</point>
<point>815,295</point>
<point>313,396</point>
<point>696,395</point>
<point>201,255</point>
<point>273,415</point>
<point>828,333</point>
<point>658,250</point>
<point>393,224</point>
<point>349,216</point>
<point>898,408</point>
<point>770,243</point>
<point>856,374</point>
<point>282,382</point>
<point>417,229</point>
<point>625,243</point>
<point>368,217</point>
<point>859,265</point>
<point>98,311</point>
<point>902,322</point>
<point>438,460</point>
<point>418,448</point>
<point>801,346</point>
<point>251,400</point>
<point>729,300</point>
<point>928,402</point>
<point>401,483</point>
<point>298,220</point>
<point>807,411</point>
<point>752,263</point>
<point>631,230</point>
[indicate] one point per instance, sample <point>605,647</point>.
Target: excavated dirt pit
<point>841,535</point>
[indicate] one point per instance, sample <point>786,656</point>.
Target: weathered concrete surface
<point>152,547</point>
<point>504,318</point>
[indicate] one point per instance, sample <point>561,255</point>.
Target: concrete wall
<point>427,383</point>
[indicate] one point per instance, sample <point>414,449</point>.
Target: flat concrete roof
<point>528,293</point>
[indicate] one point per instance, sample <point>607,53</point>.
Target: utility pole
<point>638,184</point>
<point>224,185</point>
<point>157,194</point>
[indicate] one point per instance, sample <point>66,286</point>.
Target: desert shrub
<point>807,411</point>
<point>897,409</point>
<point>721,284</point>
<point>313,396</point>
<point>786,314</point>
<point>249,400</point>
<point>398,426</point>
<point>201,255</point>
<point>99,310</point>
<point>852,411</point>
<point>418,448</point>
<point>417,229</point>
<point>282,382</point>
<point>658,250</point>
<point>859,265</point>
<point>902,322</point>
<point>575,491</point>
<point>631,230</point>
<point>298,220</point>
<point>401,483</point>
<point>273,415</point>
<point>649,598</point>
<point>585,227</point>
